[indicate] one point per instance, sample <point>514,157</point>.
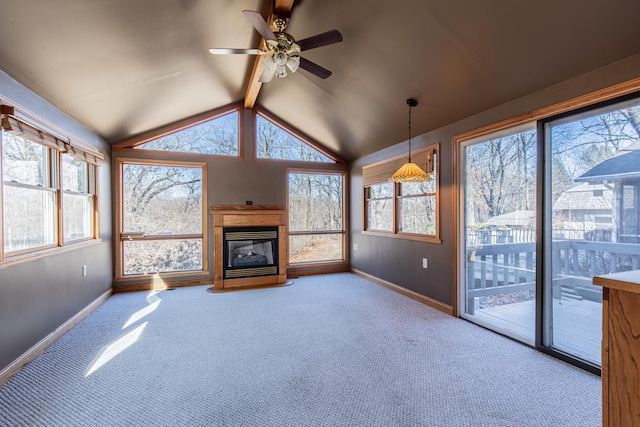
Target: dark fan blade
<point>323,39</point>
<point>236,51</point>
<point>314,68</point>
<point>259,24</point>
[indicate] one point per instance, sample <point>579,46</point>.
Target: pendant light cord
<point>409,130</point>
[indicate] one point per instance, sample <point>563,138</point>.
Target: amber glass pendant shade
<point>410,172</point>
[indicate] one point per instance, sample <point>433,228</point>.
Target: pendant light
<point>410,172</point>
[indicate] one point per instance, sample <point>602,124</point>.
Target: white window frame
<point>31,128</point>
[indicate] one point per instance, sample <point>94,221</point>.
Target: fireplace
<point>250,251</point>
<point>249,246</point>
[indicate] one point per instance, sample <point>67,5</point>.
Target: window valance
<point>19,127</point>
<point>382,171</point>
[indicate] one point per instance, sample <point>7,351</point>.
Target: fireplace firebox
<point>249,246</point>
<point>250,251</point>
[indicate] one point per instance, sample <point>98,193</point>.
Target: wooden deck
<point>577,324</point>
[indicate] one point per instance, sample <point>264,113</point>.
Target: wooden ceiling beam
<point>254,86</point>
<point>282,9</point>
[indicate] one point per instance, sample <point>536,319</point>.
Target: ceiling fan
<point>282,51</point>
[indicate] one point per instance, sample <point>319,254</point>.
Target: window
<point>379,199</point>
<point>417,208</point>
<point>29,203</point>
<point>408,210</point>
<point>275,143</point>
<point>213,133</point>
<point>216,136</point>
<point>48,184</point>
<point>163,217</point>
<point>316,217</point>
<point>77,198</point>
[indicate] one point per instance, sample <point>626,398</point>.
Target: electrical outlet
<point>355,247</point>
<point>425,263</point>
<point>84,270</point>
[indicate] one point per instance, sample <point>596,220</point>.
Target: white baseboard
<point>407,292</point>
<point>34,351</point>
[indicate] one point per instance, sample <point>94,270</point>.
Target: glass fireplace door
<point>251,251</point>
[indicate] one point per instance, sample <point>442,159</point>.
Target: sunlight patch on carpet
<point>141,313</point>
<point>116,347</point>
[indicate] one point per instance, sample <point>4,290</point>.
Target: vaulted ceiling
<point>124,67</point>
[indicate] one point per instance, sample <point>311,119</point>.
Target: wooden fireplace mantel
<point>248,216</point>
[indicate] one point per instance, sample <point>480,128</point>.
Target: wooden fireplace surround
<point>248,216</point>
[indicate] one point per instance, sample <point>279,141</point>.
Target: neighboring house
<point>584,212</point>
<point>621,174</point>
<point>511,227</point>
<point>515,219</point>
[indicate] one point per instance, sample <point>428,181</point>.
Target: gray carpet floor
<point>332,350</point>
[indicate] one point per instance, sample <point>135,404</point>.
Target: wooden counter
<point>620,348</point>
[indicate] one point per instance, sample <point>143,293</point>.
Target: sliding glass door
<point>543,209</point>
<point>499,199</point>
<point>592,177</point>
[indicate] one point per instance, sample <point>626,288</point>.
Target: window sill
<point>317,263</point>
<point>162,277</point>
<point>405,236</point>
<point>32,256</point>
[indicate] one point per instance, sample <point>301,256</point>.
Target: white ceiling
<point>123,67</point>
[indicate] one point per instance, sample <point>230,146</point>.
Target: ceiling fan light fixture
<point>268,62</point>
<point>281,71</point>
<point>280,58</point>
<point>410,172</point>
<point>293,63</point>
<point>269,66</point>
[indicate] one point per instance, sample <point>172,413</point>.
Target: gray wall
<point>400,261</point>
<point>232,182</point>
<point>38,296</point>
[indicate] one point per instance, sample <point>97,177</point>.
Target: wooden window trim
<point>587,100</point>
<point>368,199</point>
<point>296,133</point>
<point>128,145</point>
<point>345,218</point>
<point>121,236</point>
<point>15,259</point>
<point>406,236</point>
<point>314,232</point>
<point>379,172</point>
